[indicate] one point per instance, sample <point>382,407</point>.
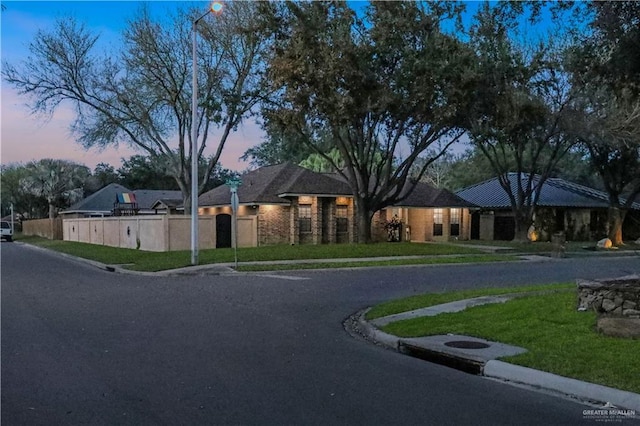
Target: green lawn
<point>559,339</point>
<point>393,262</point>
<point>425,300</point>
<point>154,261</point>
<point>571,247</point>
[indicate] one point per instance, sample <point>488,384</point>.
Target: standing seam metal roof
<point>555,192</point>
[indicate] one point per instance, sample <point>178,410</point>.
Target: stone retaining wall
<point>616,296</point>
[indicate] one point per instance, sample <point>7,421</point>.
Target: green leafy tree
<point>141,95</point>
<point>145,172</point>
<point>377,82</point>
<point>279,146</point>
<point>59,182</point>
<point>521,111</point>
<point>25,204</point>
<point>606,79</point>
<point>319,163</point>
<point>103,174</point>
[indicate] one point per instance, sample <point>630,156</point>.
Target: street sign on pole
<point>235,203</point>
<point>233,184</point>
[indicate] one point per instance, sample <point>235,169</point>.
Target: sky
<point>24,137</point>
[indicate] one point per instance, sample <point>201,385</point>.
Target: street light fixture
<point>215,8</point>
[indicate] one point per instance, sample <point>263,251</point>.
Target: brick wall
<point>274,225</point>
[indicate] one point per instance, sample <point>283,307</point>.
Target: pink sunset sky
<point>25,137</point>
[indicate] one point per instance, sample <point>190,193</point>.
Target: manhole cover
<point>466,344</point>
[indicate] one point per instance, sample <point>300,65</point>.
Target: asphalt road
<point>85,346</point>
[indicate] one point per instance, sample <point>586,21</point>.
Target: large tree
<point>521,110</point>
<point>145,172</point>
<point>386,82</point>
<point>606,79</point>
<point>60,182</point>
<point>13,193</point>
<point>280,145</point>
<point>141,96</point>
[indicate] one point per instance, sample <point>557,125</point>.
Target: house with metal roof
<point>293,205</point>
<point>578,211</point>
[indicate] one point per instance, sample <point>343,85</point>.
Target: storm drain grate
<point>466,344</point>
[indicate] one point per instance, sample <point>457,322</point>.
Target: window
<point>455,222</point>
<point>342,220</point>
<point>304,218</point>
<point>437,222</point>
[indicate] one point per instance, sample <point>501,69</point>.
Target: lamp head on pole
<point>216,7</point>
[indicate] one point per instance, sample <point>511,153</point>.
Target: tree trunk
<point>186,199</point>
<point>363,223</point>
<point>616,218</point>
<point>522,225</point>
<point>52,211</point>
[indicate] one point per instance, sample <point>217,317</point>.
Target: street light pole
<point>216,8</point>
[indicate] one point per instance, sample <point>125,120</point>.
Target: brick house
<point>428,214</point>
<point>294,205</point>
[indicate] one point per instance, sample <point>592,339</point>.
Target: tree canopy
<point>521,110</point>
<point>385,84</point>
<point>141,95</point>
<point>605,67</point>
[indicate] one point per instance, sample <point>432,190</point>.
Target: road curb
<point>503,371</point>
<point>582,390</point>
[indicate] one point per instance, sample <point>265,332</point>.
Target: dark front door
<point>223,231</point>
<point>475,226</point>
<point>504,228</point>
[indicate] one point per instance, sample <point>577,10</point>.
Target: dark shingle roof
<point>102,201</point>
<point>425,195</point>
<point>146,198</point>
<point>268,185</point>
<point>171,203</point>
<point>555,192</point>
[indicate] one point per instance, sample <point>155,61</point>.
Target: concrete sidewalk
<point>481,357</point>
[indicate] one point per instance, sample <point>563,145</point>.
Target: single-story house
<point>115,199</point>
<point>578,211</point>
<point>430,214</point>
<point>294,205</point>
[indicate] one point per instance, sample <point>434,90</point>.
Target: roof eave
<point>293,194</point>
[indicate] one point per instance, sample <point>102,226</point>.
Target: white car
<point>6,231</point>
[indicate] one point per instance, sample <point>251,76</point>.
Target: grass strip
<point>425,300</point>
<point>559,339</point>
<point>367,263</point>
<point>156,261</point>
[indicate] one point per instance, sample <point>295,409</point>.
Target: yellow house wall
<point>420,223</point>
<point>247,231</point>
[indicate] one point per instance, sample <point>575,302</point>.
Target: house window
<point>342,220</point>
<point>437,222</point>
<point>455,222</point>
<point>304,218</point>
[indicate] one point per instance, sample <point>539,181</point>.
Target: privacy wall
<point>153,232</point>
